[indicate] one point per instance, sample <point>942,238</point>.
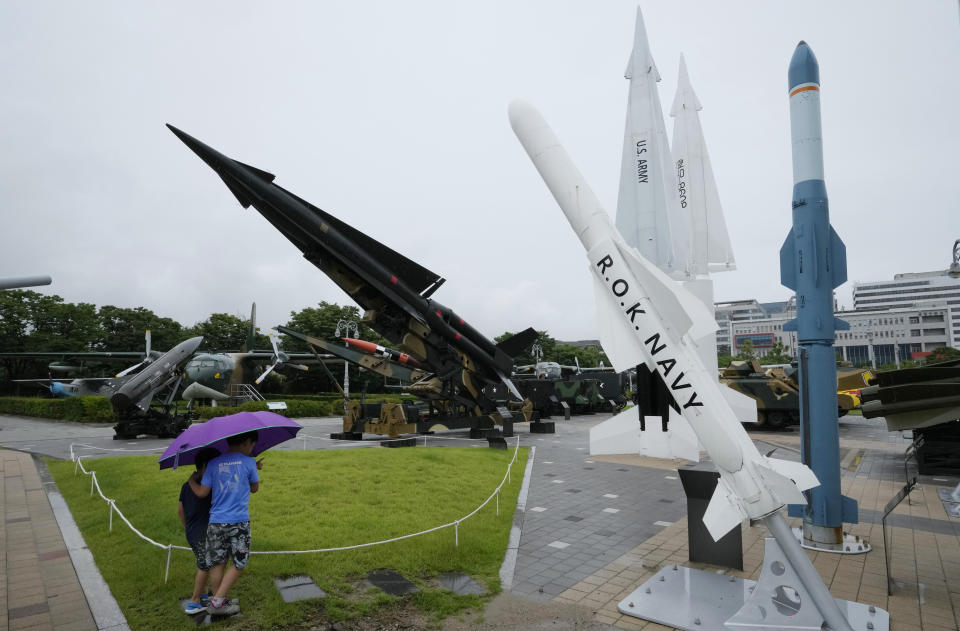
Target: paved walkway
<point>39,588</point>
<point>594,530</point>
<point>925,540</point>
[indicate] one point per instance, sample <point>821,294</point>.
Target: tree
<point>225,332</point>
<point>942,354</point>
<point>747,352</point>
<point>724,360</point>
<point>777,354</point>
<point>321,321</point>
<point>123,329</point>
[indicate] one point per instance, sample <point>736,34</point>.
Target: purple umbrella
<point>272,429</point>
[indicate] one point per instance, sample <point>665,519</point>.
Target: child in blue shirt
<point>231,478</point>
<point>194,513</point>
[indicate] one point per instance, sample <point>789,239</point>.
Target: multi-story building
<point>907,290</point>
<point>735,311</point>
<point>876,337</point>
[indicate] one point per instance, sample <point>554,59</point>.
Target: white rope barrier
<point>112,504</point>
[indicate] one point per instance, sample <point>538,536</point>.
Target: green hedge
<point>295,409</point>
<point>81,409</point>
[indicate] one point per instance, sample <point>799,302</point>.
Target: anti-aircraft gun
<point>395,294</point>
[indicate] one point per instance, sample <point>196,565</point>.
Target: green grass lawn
<point>307,500</point>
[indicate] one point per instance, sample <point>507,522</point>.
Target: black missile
<point>139,390</point>
<point>392,289</point>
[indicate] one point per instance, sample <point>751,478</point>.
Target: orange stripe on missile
<point>804,89</point>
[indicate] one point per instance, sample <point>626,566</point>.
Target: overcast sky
<point>392,117</point>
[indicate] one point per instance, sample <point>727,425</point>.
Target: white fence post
<point>169,552</point>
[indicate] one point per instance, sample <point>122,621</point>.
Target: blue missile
<point>813,261</point>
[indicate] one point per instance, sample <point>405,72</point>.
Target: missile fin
<point>621,434</point>
<point>517,344</point>
<point>621,347</point>
<point>840,325</point>
<point>144,403</point>
<point>790,325</point>
<point>679,309</point>
<point>264,175</point>
<point>238,191</point>
<point>788,272</point>
<point>787,479</point>
<point>744,407</point>
<point>724,513</point>
<point>838,263</point>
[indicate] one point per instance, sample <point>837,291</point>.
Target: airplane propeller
<point>279,359</point>
<point>146,359</point>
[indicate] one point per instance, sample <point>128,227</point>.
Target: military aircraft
<point>85,386</point>
<point>554,370</point>
<point>217,376</point>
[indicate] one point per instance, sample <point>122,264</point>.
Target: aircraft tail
<point>251,341</point>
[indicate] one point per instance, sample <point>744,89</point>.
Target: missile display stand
<point>786,596</point>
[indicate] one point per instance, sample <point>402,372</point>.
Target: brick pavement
<point>925,543</point>
<point>39,589</point>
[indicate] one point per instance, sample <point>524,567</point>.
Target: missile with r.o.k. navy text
<point>645,317</point>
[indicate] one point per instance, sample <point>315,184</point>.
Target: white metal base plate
<point>695,600</point>
<point>852,544</point>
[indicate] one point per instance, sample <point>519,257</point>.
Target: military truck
<point>776,391</point>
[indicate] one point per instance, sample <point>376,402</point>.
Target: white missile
<point>648,212</point>
<point>710,249</point>
<point>646,317</point>
<point>709,242</point>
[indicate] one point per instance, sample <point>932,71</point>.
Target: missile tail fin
<point>788,273</point>
<point>723,514</point>
<point>517,344</point>
<point>840,325</point>
<point>621,434</point>
<point>787,479</point>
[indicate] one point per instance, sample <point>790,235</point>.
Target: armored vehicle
<point>776,391</point>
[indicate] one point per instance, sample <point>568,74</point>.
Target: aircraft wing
<point>104,355</point>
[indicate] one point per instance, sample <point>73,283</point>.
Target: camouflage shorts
<point>228,541</point>
<point>199,548</point>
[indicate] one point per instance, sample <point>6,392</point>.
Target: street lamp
<point>346,326</point>
<point>955,264</point>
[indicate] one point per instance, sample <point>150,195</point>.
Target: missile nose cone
<point>803,67</point>
<point>208,154</point>
<point>519,110</point>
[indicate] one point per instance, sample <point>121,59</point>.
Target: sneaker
<point>193,608</point>
<point>205,599</point>
<point>226,609</point>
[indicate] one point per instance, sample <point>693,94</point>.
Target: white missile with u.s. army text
<point>646,317</point>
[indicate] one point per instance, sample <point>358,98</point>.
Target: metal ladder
<point>244,392</point>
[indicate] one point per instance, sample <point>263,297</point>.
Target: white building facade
<point>913,290</point>
<point>876,337</point>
